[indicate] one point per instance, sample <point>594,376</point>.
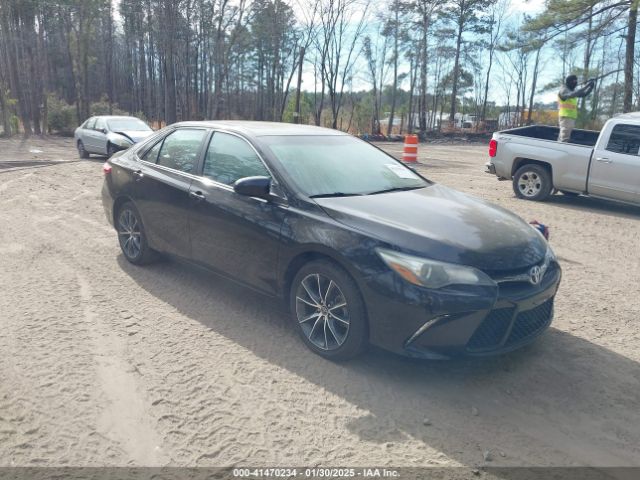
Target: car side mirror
<point>259,187</point>
<point>103,130</point>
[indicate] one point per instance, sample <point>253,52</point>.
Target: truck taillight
<point>106,168</point>
<point>493,147</point>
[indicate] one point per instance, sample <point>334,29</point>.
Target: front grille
<point>492,329</point>
<point>498,323</point>
<point>530,323</point>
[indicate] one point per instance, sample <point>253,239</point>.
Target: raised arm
<point>583,91</point>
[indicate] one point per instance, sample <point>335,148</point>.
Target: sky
<point>516,9</point>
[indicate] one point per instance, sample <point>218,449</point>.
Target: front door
<point>615,170</point>
<point>232,233</point>
<point>162,189</point>
<point>100,136</point>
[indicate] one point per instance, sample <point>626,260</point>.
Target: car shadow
<point>561,401</point>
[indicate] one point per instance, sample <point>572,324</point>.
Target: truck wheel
<point>532,182</point>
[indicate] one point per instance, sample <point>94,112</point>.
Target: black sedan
<point>362,248</point>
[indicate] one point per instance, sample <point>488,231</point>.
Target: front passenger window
<point>100,125</point>
<point>230,158</point>
<point>180,149</point>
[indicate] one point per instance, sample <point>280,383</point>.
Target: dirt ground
<point>103,363</point>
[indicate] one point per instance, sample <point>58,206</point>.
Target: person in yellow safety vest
<point>568,105</point>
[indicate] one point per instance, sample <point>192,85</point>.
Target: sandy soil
<point>104,363</point>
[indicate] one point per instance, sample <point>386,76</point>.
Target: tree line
<point>366,66</point>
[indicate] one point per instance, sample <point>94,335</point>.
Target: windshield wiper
<point>335,194</point>
<point>396,189</point>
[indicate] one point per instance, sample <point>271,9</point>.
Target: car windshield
<point>130,124</point>
<point>339,165</point>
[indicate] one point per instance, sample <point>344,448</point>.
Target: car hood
<point>442,224</point>
<point>135,135</point>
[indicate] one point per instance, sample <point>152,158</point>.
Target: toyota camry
<point>363,249</point>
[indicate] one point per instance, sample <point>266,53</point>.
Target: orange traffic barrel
<point>410,152</point>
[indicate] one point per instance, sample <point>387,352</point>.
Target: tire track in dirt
<point>125,418</point>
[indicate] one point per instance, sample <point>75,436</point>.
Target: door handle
<point>603,160</point>
<point>197,196</point>
<point>138,175</point>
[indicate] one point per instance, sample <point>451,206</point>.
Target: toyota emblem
<point>535,275</point>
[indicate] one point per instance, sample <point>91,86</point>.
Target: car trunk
<point>587,138</point>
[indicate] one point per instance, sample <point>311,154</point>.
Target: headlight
<point>431,273</point>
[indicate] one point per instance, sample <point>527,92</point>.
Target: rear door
<point>235,234</point>
<point>162,189</point>
<point>615,167</point>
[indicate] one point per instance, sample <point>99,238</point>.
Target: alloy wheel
<point>529,184</point>
<point>129,233</point>
<point>322,311</point>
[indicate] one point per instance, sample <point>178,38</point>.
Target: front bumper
<point>445,323</point>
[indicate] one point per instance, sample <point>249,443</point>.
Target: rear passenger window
<point>180,149</point>
<point>90,123</point>
<point>152,154</point>
<point>625,139</point>
<point>230,158</point>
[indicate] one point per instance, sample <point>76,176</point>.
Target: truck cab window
<point>624,139</point>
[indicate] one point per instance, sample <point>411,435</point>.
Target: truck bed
<point>587,138</point>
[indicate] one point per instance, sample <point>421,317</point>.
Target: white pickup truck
<point>604,165</point>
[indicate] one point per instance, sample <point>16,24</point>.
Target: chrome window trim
<point>144,144</point>
<point>264,164</point>
<point>167,169</point>
<point>202,178</point>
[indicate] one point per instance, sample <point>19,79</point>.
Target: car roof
<point>261,129</point>
<point>113,117</point>
<point>629,115</point>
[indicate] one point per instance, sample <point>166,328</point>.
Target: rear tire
<point>81,150</point>
<point>132,236</point>
<point>532,182</point>
<point>328,311</point>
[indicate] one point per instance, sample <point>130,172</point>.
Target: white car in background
<point>108,134</point>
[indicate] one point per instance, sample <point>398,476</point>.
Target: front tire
<point>81,150</point>
<point>328,311</point>
<point>132,236</point>
<point>111,150</point>
<point>532,182</point>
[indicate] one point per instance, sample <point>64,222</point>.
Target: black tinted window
<point>230,158</point>
<point>180,149</point>
<point>625,139</point>
<point>152,153</point>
